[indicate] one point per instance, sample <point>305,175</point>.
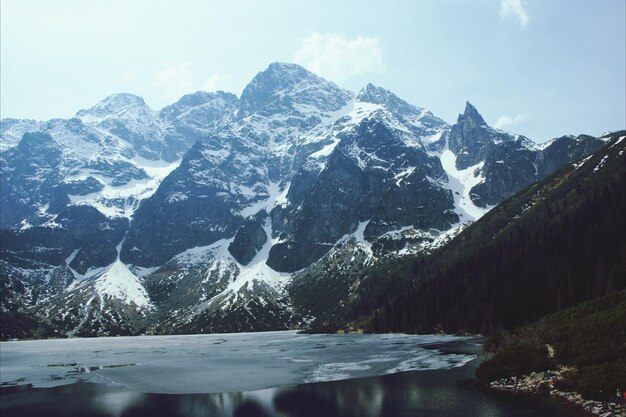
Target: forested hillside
<point>589,339</point>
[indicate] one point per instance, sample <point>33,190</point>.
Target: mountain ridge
<point>270,186</point>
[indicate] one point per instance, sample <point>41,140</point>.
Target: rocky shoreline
<point>544,383</point>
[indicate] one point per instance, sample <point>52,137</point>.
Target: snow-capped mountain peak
<point>128,117</point>
<point>418,119</point>
<point>281,85</point>
<point>378,95</point>
<point>119,105</point>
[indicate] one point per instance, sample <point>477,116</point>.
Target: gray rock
<point>249,239</point>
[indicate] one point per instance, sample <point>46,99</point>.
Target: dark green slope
<point>589,338</point>
<point>558,243</point>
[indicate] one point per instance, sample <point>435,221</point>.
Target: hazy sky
<point>542,68</point>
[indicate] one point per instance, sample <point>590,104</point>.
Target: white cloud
<point>505,121</point>
<point>336,57</point>
<point>174,80</point>
<point>214,82</point>
<point>514,9</point>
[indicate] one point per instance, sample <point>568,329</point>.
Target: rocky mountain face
<point>220,213</point>
<point>240,170</point>
<point>507,163</point>
<point>375,152</point>
<point>69,188</point>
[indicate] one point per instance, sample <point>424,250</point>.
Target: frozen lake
<point>221,362</point>
<point>279,374</point>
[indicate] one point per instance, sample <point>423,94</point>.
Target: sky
<point>534,67</point>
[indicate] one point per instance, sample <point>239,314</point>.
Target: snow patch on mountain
<point>257,269</point>
<point>116,281</point>
<point>460,183</point>
<point>374,104</point>
<point>360,239</point>
<point>120,283</point>
<point>274,194</point>
<point>430,139</point>
<point>325,128</point>
<point>247,276</point>
<point>123,200</point>
<point>402,174</point>
<point>202,254</point>
<point>581,162</point>
<point>619,140</point>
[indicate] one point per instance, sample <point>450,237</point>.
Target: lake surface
<point>253,374</point>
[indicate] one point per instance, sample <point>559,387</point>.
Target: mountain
<point>376,151</point>
<point>238,171</point>
<point>506,164</point>
<point>192,117</point>
<point>71,186</point>
<point>107,157</point>
<point>126,116</point>
<point>294,188</point>
<point>164,135</point>
<point>556,244</point>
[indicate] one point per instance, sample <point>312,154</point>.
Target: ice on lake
<point>212,363</point>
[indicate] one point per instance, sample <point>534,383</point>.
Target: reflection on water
<point>422,393</point>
